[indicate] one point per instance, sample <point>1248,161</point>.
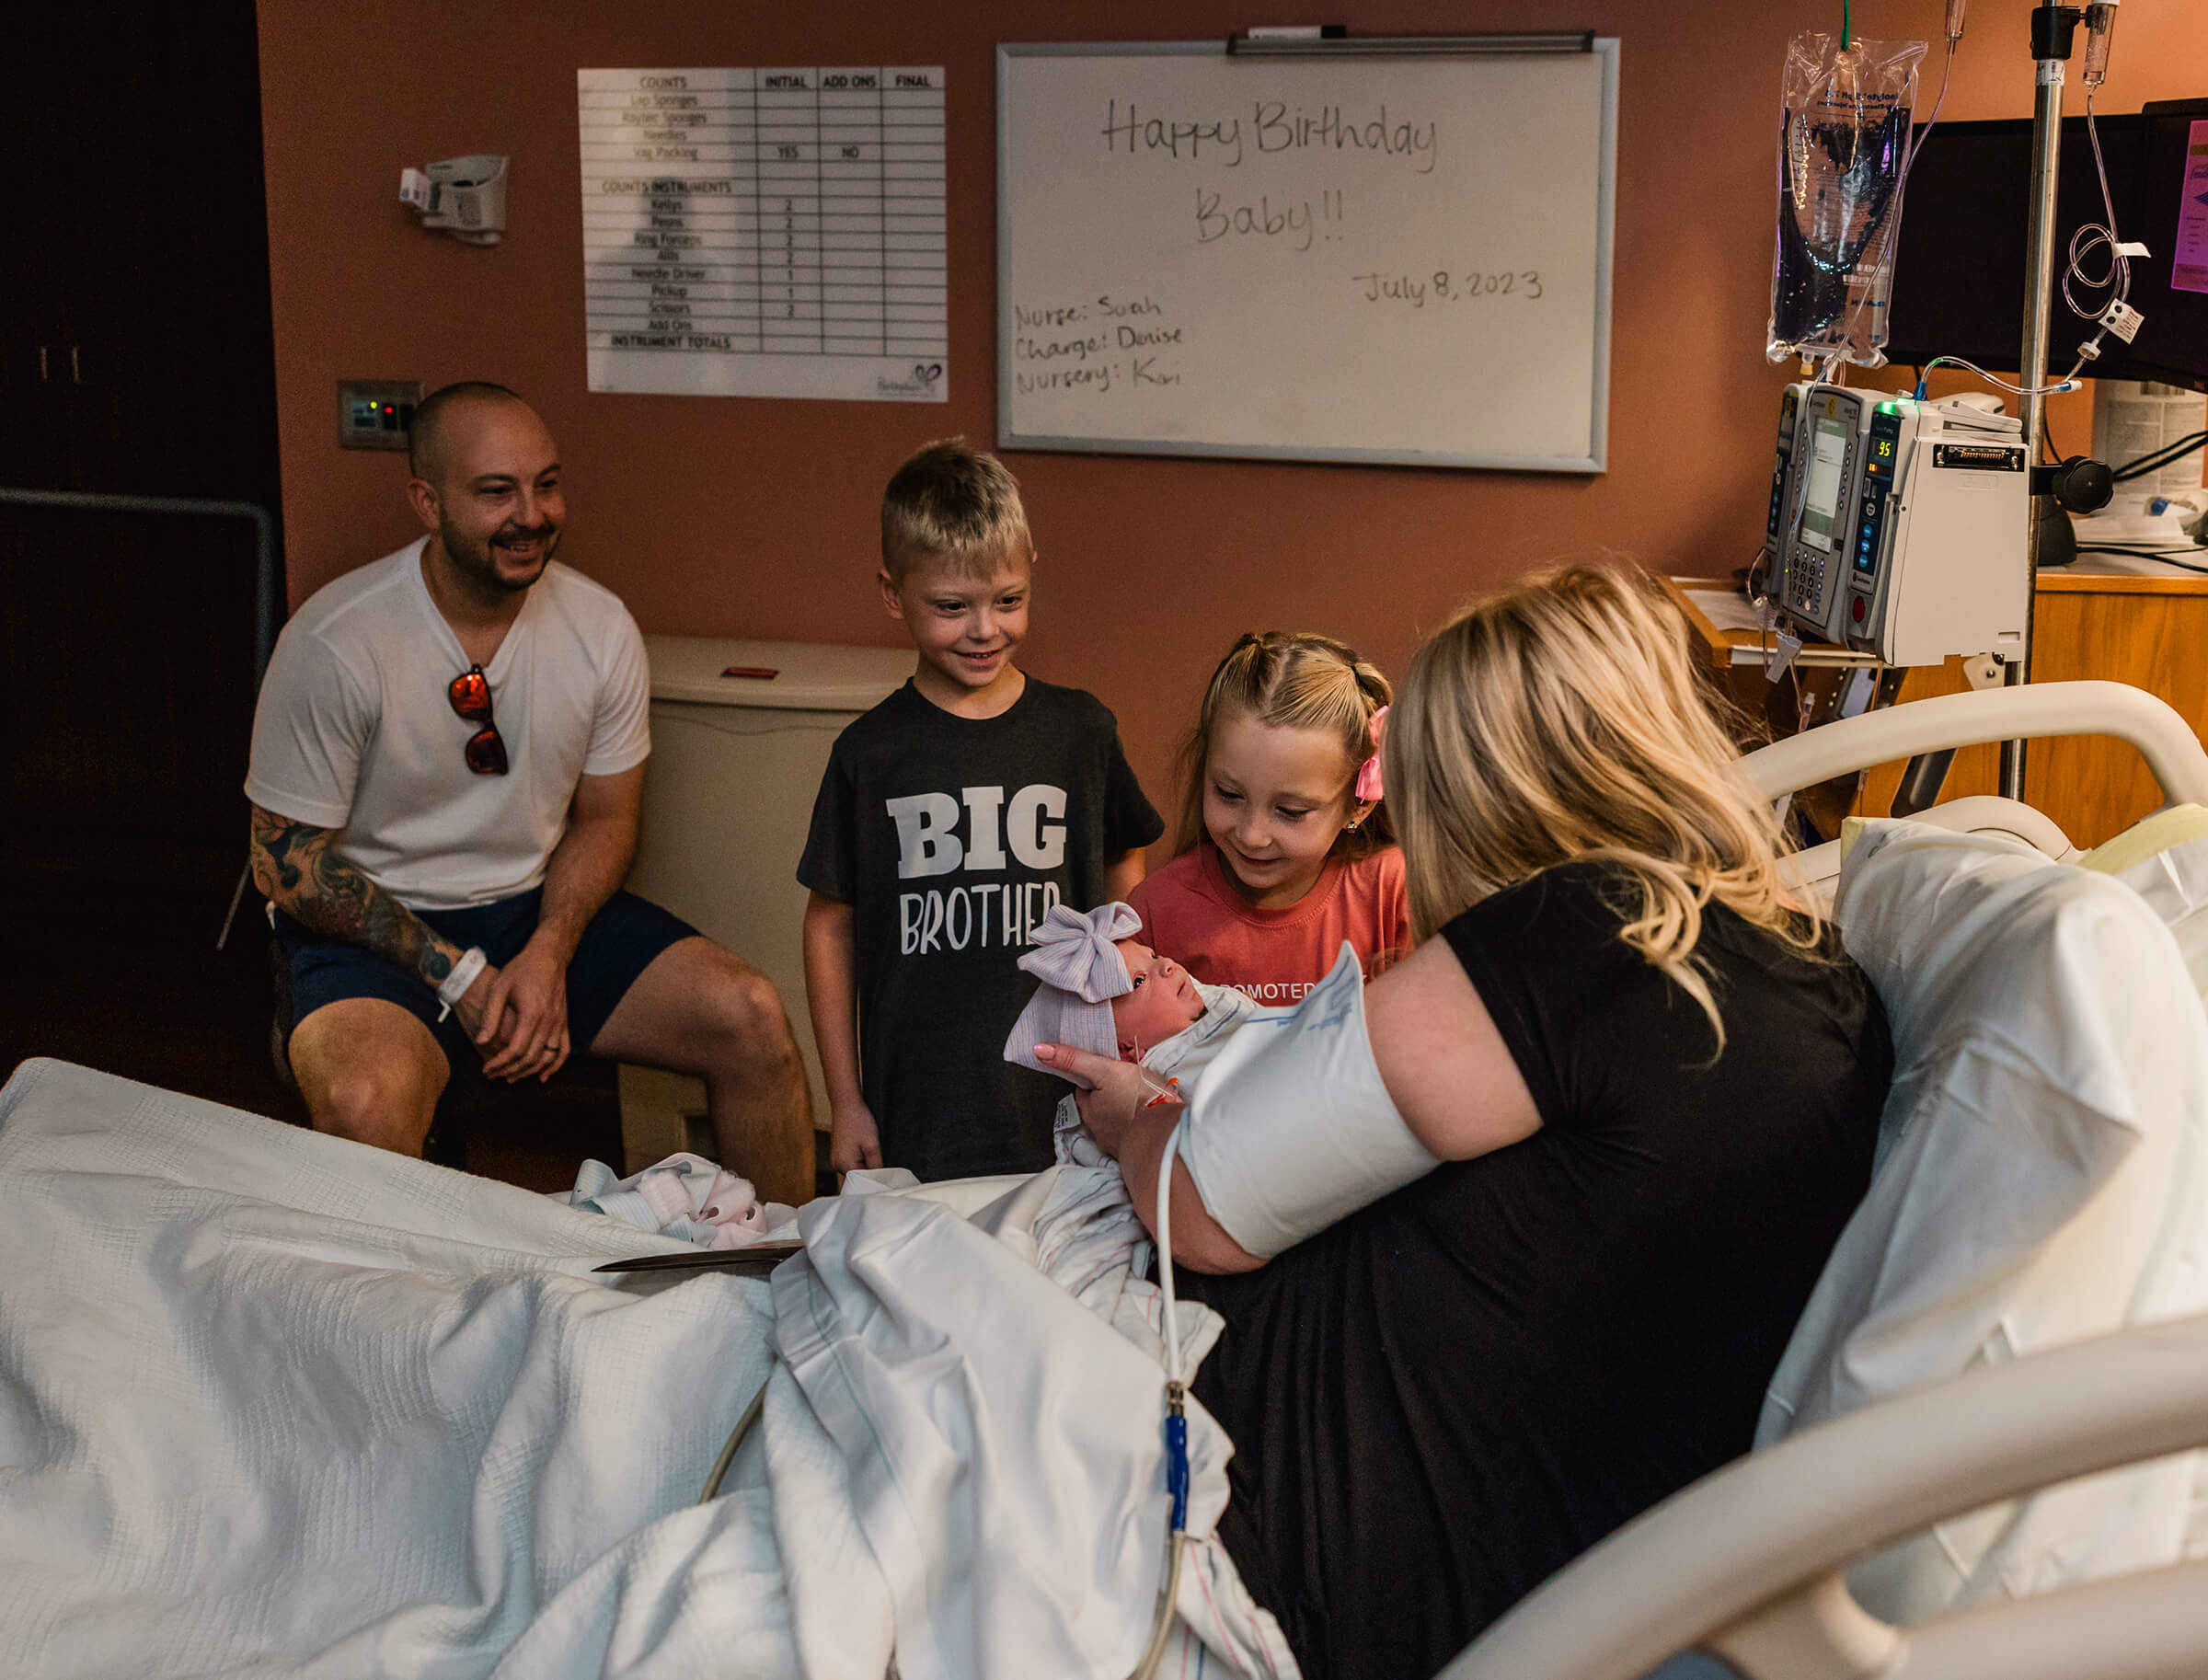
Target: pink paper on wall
<point>2189,270</point>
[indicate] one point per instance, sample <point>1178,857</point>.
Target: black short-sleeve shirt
<point>1441,1400</point>
<point>951,837</point>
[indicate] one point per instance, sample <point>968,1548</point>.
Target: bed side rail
<point>1747,1562</point>
<point>2033,711</point>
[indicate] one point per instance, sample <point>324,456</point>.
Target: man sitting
<point>448,770</point>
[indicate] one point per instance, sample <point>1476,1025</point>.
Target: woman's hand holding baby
<point>1117,1093</point>
<point>1131,1126</point>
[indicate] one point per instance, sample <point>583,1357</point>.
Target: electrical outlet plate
<point>376,413</point>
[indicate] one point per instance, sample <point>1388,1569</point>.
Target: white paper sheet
<point>765,231</point>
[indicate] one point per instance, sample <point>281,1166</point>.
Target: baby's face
<point>1164,1001</point>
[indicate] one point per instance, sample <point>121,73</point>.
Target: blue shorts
<point>620,943</point>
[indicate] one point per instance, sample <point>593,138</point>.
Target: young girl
<point>1285,847</point>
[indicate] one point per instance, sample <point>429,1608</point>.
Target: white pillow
<point>2043,1180</point>
<point>2172,877</point>
<point>2174,882</point>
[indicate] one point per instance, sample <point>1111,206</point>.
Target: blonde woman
<point>1636,1090</point>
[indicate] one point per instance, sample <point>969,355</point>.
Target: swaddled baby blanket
<point>1180,1057</point>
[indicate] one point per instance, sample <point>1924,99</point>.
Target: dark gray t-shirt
<point>951,837</point>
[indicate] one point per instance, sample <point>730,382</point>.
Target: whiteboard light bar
<point>1517,43</point>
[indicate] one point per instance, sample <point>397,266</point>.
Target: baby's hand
<point>854,1140</point>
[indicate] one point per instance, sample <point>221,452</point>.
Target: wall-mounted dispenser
<point>463,196</point>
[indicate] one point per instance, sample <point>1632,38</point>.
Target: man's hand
<point>524,1030</point>
<point>473,1009</point>
<point>854,1140</point>
<point>1117,1092</point>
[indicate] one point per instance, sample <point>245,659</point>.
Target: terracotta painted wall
<point>726,517</point>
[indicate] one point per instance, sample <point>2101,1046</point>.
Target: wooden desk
<point>2151,632</point>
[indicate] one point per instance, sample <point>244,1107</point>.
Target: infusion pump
<point>1782,480</point>
<point>1901,524</point>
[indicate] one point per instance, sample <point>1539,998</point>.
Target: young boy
<point>951,818</point>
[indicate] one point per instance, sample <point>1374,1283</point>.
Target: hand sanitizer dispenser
<point>466,196</point>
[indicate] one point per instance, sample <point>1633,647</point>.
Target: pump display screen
<point>1821,493</point>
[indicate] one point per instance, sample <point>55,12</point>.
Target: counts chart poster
<point>765,231</point>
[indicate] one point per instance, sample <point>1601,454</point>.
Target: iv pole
<point>2052,28</point>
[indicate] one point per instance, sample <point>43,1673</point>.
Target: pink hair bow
<point>1368,773</point>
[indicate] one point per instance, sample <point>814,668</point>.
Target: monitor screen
<point>1959,278</point>
<point>1821,491</point>
<point>2170,287</point>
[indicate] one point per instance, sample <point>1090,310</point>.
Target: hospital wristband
<point>472,963</point>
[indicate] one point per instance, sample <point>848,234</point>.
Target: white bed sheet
<point>2045,1178</point>
<point>271,1403</point>
<point>274,1404</point>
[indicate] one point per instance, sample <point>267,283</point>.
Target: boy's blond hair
<point>1561,721</point>
<point>951,502</point>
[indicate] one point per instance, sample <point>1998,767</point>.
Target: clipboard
<point>766,1255</point>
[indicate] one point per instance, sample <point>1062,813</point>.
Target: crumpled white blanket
<point>2045,1179</point>
<point>276,1404</point>
<point>685,1195</point>
<point>1006,1447</point>
<point>271,1403</point>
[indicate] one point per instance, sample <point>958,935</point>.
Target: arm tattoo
<point>317,886</point>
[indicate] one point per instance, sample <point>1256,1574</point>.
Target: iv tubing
<point>2082,243</point>
<point>2068,383</point>
<point>736,1435</point>
<point>2119,267</point>
<point>1176,1437</point>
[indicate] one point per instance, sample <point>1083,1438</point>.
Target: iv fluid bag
<point>1843,142</point>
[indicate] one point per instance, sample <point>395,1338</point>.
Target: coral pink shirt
<point>1191,913</point>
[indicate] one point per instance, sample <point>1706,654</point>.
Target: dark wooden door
<point>136,358</point>
<point>138,361</point>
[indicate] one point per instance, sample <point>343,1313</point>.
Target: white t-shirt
<point>353,730</point>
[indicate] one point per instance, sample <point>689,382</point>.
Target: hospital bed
<point>2035,711</point>
<point>570,1485</point>
<point>1750,1564</point>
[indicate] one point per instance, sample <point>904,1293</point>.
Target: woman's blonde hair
<point>1290,679</point>
<point>1561,721</point>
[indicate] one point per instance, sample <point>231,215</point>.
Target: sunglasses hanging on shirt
<point>469,694</point>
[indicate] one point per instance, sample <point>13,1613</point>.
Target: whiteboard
<point>1329,259</point>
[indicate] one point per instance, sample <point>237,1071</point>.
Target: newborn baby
<point>1106,992</point>
<point>1164,1000</point>
<point>1102,989</point>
